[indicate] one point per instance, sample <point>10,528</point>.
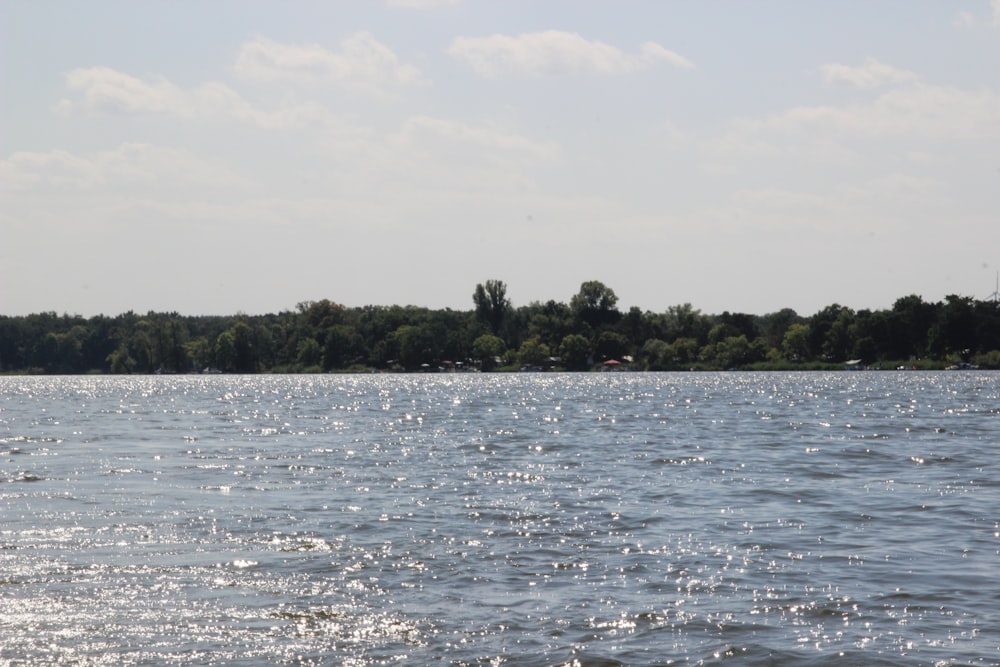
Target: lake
<point>601,519</point>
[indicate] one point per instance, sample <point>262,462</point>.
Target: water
<point>543,519</point>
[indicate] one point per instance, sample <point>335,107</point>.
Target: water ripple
<point>607,519</point>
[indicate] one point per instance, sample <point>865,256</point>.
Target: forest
<point>588,332</point>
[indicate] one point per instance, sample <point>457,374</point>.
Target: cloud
<point>554,53</point>
<point>964,20</point>
<point>908,151</point>
<point>362,61</point>
<point>920,114</point>
<point>24,170</point>
<point>108,90</point>
<point>105,90</point>
<point>927,111</point>
<point>439,132</point>
<point>130,165</point>
<point>873,74</point>
<point>967,20</point>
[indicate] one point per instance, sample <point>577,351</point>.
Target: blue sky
<point>224,157</point>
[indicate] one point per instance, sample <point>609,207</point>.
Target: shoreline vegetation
<point>588,333</point>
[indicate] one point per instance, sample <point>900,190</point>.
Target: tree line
<point>585,333</point>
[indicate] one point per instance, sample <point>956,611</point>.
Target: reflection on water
<point>646,519</point>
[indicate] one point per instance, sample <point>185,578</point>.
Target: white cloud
<point>436,159</point>
<point>362,61</point>
<point>102,89</point>
<point>554,52</point>
<point>106,89</point>
<point>967,20</point>
<point>964,20</point>
<point>924,112</point>
<point>494,142</point>
<point>131,165</point>
<point>873,74</point>
<point>24,170</point>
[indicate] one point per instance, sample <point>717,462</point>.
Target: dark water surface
<point>598,519</point>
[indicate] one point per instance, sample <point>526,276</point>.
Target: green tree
<point>308,354</point>
<point>685,352</point>
<point>416,345</point>
<point>487,349</point>
<point>322,314</point>
<point>142,347</point>
<point>492,305</point>
<point>954,331</point>
<point>575,352</point>
<point>120,361</point>
<point>828,333</point>
<point>595,303</point>
<point>610,345</point>
<point>837,344</point>
<point>343,346</point>
<point>533,352</point>
<point>733,352</point>
<point>774,326</point>
<point>795,344</point>
<point>549,322</point>
<point>685,321</point>
<point>656,355</point>
<point>243,343</point>
<point>200,352</point>
<point>225,351</point>
<point>910,322</point>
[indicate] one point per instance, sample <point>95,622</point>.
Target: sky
<point>229,156</point>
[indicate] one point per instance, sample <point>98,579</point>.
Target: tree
<point>550,322</point>
<point>308,354</point>
<point>225,351</point>
<point>837,344</point>
<point>954,332</point>
<point>575,352</point>
<point>610,345</point>
<point>533,352</point>
<point>656,355</point>
<point>595,304</point>
<point>120,361</point>
<point>416,345</point>
<point>733,352</point>
<point>685,351</point>
<point>774,325</point>
<point>246,358</point>
<point>741,323</point>
<point>322,314</point>
<point>486,349</point>
<point>199,351</point>
<point>828,333</point>
<point>492,305</point>
<point>342,347</point>
<point>685,321</point>
<point>910,323</point>
<point>795,344</point>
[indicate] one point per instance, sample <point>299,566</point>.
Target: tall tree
<point>595,304</point>
<point>492,304</point>
<point>686,321</point>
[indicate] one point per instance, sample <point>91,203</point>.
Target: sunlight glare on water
<point>537,519</point>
